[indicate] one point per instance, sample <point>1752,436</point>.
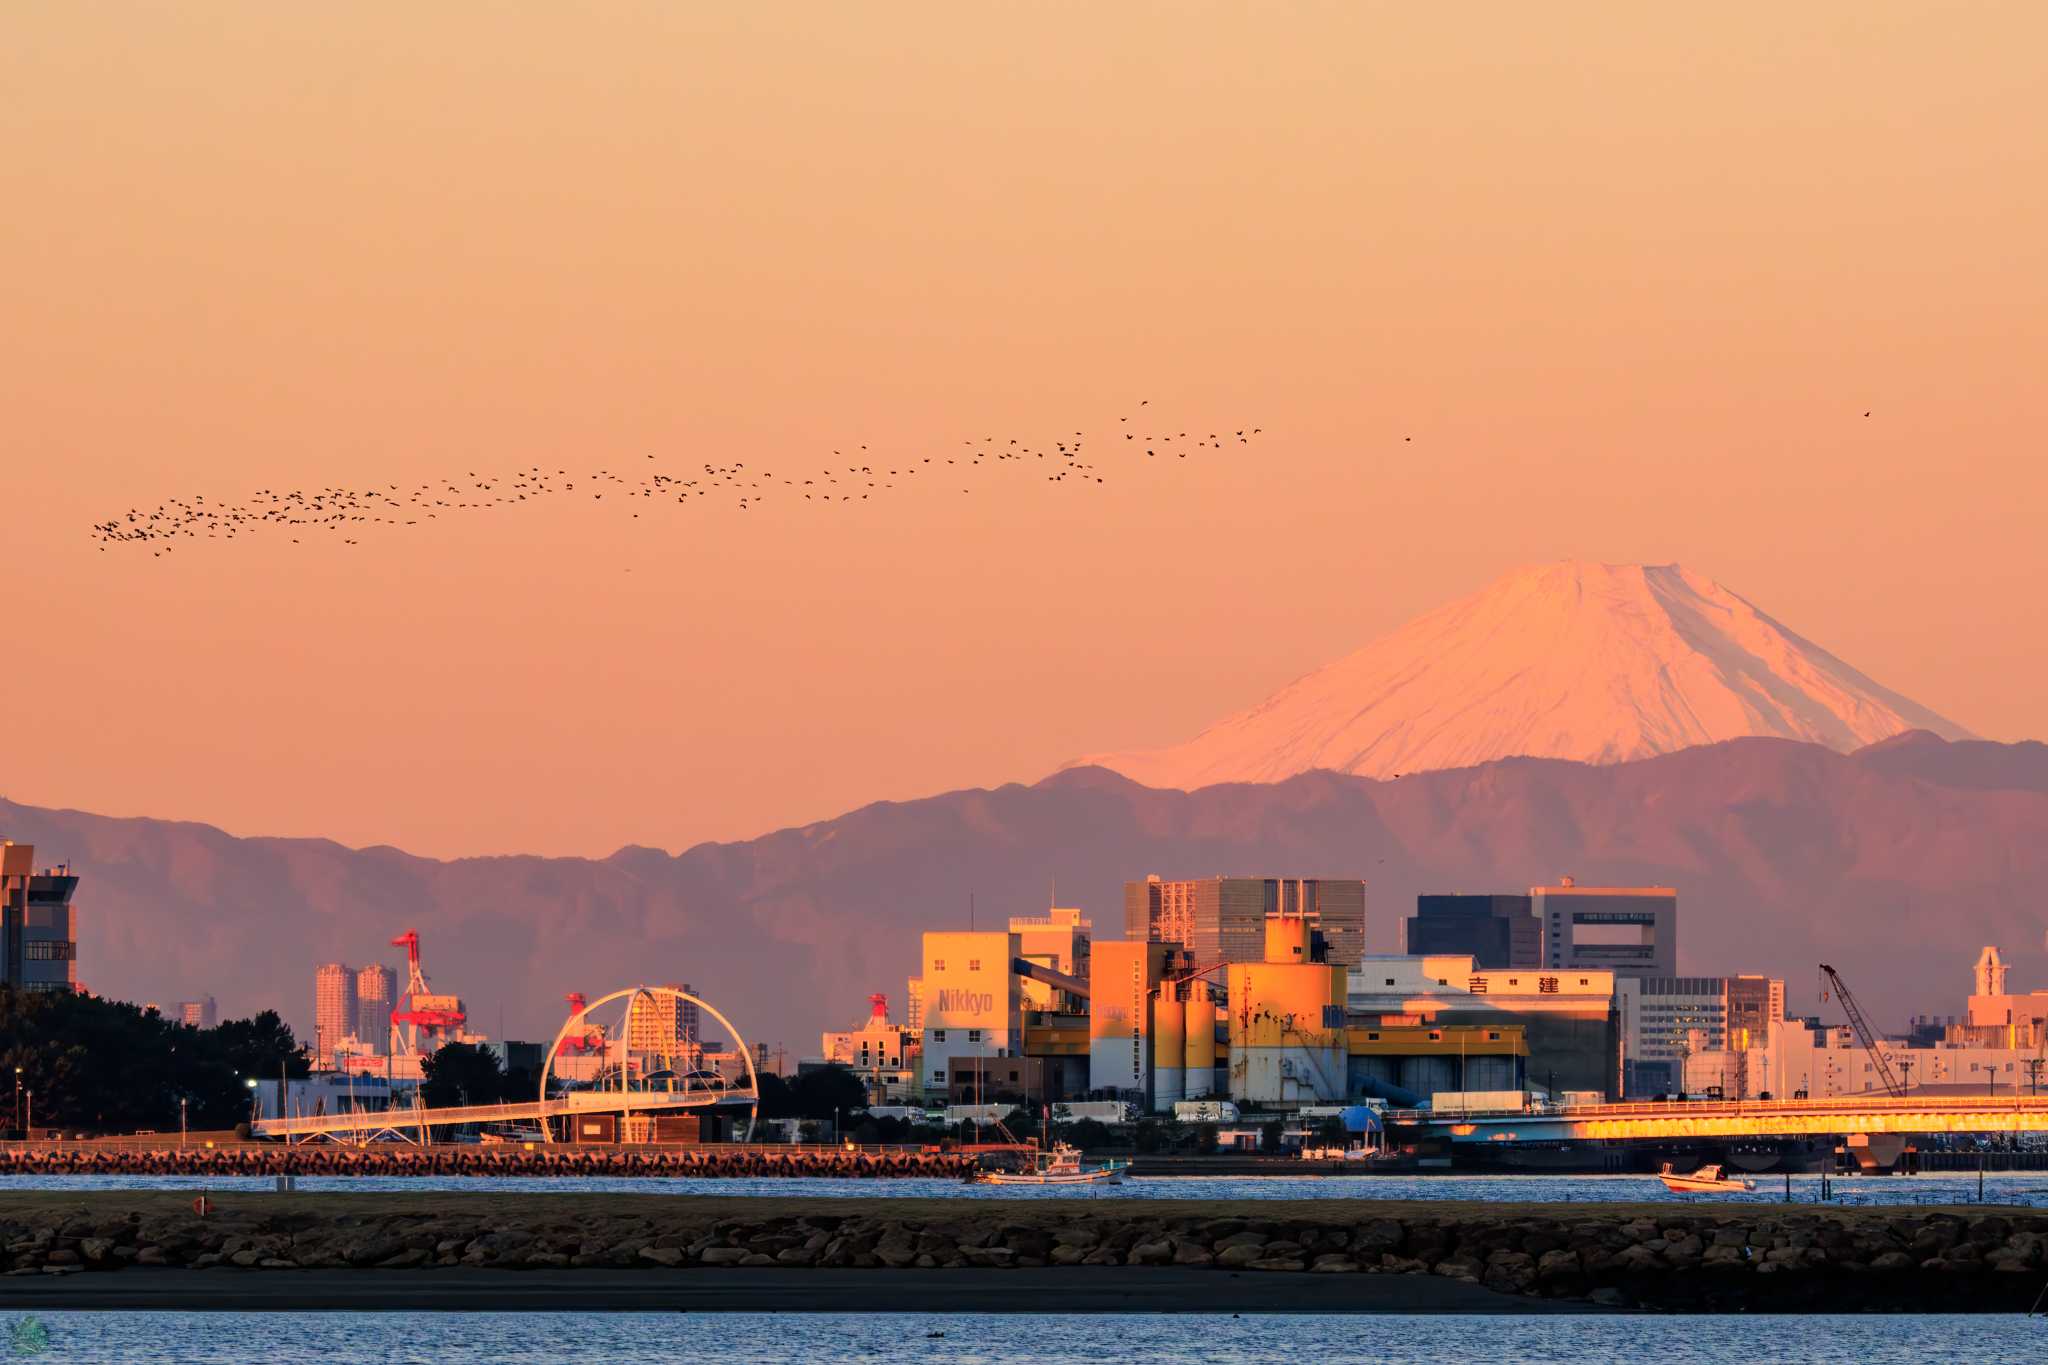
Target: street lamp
<point>17,1097</point>
<point>255,1100</point>
<point>181,1123</point>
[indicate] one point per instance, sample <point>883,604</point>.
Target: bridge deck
<point>575,1102</point>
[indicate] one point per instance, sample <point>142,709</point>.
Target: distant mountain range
<point>1601,663</point>
<point>1895,863</point>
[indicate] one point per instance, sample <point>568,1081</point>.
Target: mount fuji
<point>1599,663</point>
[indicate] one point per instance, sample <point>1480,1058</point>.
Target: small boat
<point>1060,1166</point>
<point>1711,1179</point>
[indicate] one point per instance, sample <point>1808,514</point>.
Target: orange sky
<point>1627,275</point>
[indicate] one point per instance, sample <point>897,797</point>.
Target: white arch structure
<point>576,1024</point>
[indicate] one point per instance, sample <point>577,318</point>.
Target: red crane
<point>437,1023</point>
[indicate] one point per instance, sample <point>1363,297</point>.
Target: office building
<point>1497,931</point>
<point>335,1012</point>
<point>1628,930</point>
<point>664,1025</point>
<point>1223,919</point>
<point>913,1004</point>
<point>1666,1020</point>
<point>199,1013</point>
<point>376,997</point>
<point>38,938</point>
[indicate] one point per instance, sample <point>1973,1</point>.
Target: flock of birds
<point>344,514</point>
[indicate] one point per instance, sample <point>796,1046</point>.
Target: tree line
<point>107,1066</point>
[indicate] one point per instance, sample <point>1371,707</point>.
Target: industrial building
<point>1569,1031</point>
<point>973,1000</point>
<point>1999,1046</point>
<point>1223,919</point>
<point>1037,1011</point>
<point>38,935</point>
<point>1060,941</point>
<point>1496,931</point>
<point>1628,930</point>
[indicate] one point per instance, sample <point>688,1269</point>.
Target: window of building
<point>974,1035</point>
<point>50,950</point>
<point>938,964</point>
<point>939,1077</point>
<point>1390,981</point>
<point>973,964</point>
<point>938,1035</point>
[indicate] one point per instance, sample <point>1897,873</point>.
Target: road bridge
<point>1841,1116</point>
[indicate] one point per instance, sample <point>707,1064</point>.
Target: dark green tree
<point>462,1073</point>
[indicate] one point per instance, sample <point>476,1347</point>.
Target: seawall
<point>1751,1257</point>
<point>542,1160</point>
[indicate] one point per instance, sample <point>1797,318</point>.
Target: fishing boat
<point>1060,1166</point>
<point>1710,1179</point>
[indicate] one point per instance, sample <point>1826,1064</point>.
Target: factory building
<point>1223,919</point>
<point>1626,930</point>
<point>1288,1043</point>
<point>1497,931</point>
<point>1568,1022</point>
<point>973,1001</point>
<point>1124,979</point>
<point>1058,940</point>
<point>38,937</point>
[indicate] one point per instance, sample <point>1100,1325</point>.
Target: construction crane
<point>1862,1027</point>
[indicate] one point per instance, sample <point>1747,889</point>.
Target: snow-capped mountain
<point>1596,662</point>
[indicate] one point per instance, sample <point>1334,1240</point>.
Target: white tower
<point>1990,973</point>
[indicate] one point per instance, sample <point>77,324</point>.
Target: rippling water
<point>908,1337</point>
<point>2023,1187</point>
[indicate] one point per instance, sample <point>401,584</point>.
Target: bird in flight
<point>343,515</point>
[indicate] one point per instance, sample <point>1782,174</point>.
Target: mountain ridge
<point>1895,862</point>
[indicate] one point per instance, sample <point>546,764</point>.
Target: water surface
<point>898,1337</point>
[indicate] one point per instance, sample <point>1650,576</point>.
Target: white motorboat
<point>1711,1179</point>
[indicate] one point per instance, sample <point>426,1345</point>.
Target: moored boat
<point>1709,1179</point>
<point>1060,1166</point>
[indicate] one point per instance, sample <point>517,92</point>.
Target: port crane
<point>1862,1027</point>
<point>427,1020</point>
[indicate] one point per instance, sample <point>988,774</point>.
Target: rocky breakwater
<point>1675,1257</point>
<point>509,1162</point>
